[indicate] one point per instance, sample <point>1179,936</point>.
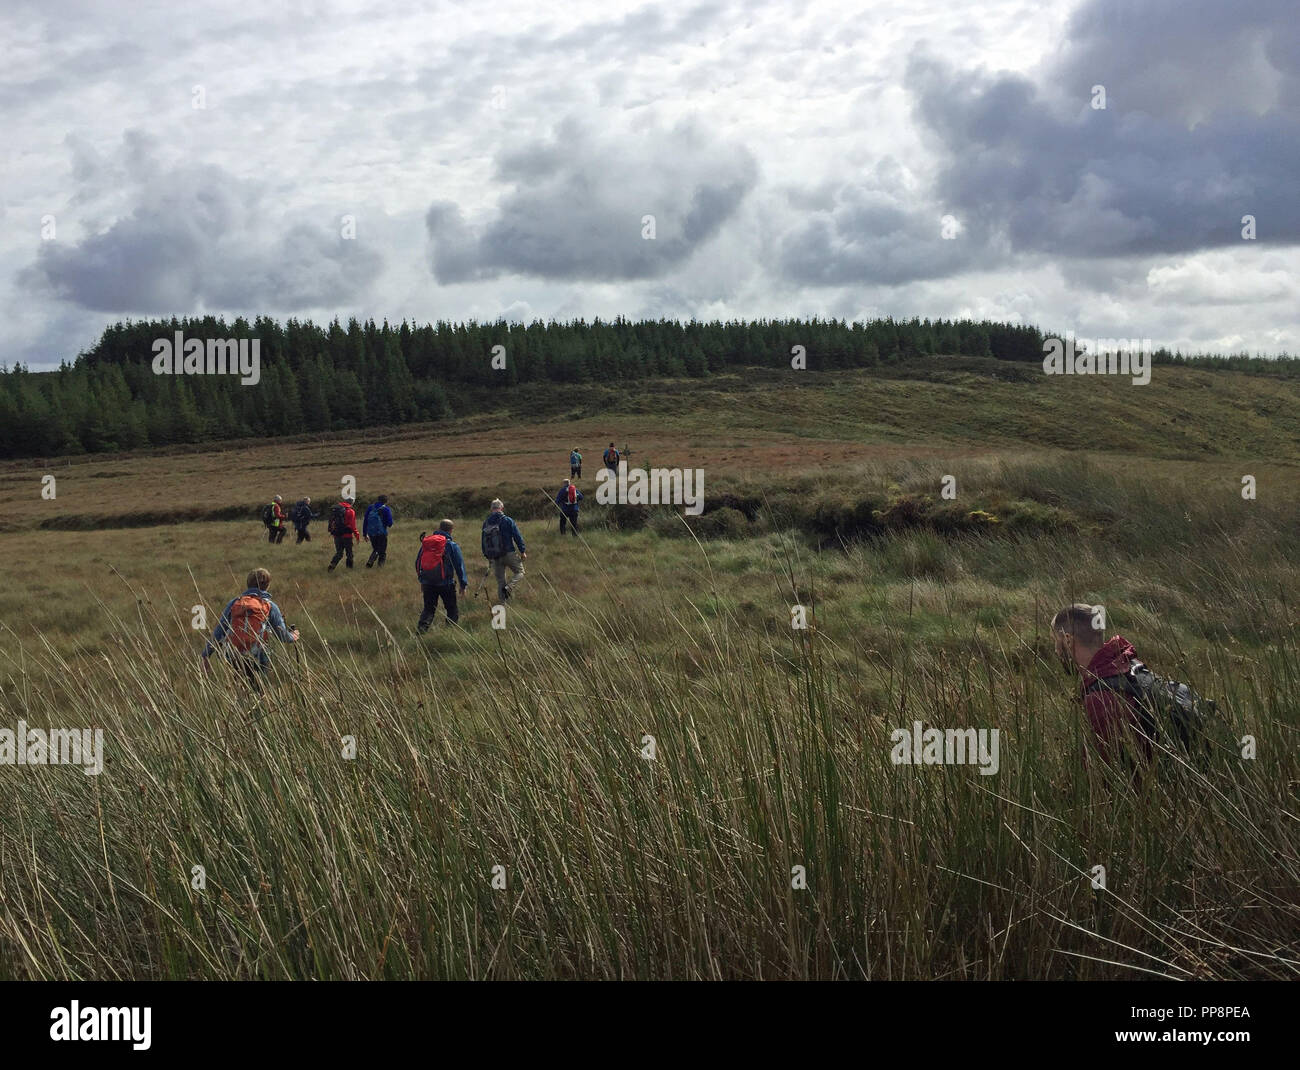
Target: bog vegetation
<point>648,750</point>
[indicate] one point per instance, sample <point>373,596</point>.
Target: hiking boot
<point>331,567</point>
<point>505,594</point>
<point>370,564</point>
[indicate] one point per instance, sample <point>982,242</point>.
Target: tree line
<point>317,378</point>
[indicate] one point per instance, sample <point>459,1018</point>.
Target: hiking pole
<point>483,582</point>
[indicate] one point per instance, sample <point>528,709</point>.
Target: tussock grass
<point>523,749</point>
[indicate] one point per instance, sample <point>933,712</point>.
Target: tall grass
<point>524,749</point>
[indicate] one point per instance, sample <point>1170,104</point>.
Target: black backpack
<point>338,523</point>
<point>1165,708</point>
<point>268,515</point>
<point>494,543</point>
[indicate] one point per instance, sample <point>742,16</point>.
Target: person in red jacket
<point>1084,650</point>
<point>343,526</point>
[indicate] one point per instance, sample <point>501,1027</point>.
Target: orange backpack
<point>433,565</point>
<point>248,619</point>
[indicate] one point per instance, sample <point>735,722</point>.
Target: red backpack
<point>432,564</point>
<point>248,619</point>
<point>573,494</point>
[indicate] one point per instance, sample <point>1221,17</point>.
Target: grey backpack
<point>1164,707</point>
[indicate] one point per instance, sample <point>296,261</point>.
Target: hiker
<point>273,516</point>
<point>500,537</point>
<point>438,565</point>
<point>241,631</point>
<point>1085,651</point>
<point>611,459</point>
<point>575,463</point>
<point>301,517</point>
<point>567,500</point>
<point>1121,696</point>
<point>374,529</point>
<point>343,526</point>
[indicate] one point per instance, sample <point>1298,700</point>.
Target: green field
<point>524,747</point>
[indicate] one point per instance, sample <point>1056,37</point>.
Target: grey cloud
<point>873,232</point>
<point>196,237</point>
<point>578,201</point>
<point>1030,169</point>
<point>1141,177</point>
<point>1183,59</point>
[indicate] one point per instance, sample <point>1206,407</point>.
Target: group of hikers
<point>440,565</point>
<point>1124,703</point>
<point>378,517</point>
<point>610,457</point>
<point>569,497</point>
<point>1127,707</point>
<point>250,619</point>
<point>342,525</point>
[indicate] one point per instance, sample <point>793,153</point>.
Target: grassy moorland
<point>524,747</point>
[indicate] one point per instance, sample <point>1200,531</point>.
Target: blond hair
<point>259,578</point>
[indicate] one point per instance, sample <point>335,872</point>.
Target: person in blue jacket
<point>567,501</point>
<point>503,546</point>
<point>439,564</point>
<point>241,633</point>
<point>374,529</point>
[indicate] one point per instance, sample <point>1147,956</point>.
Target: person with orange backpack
<point>342,525</point>
<point>567,500</point>
<point>438,565</point>
<point>241,633</point>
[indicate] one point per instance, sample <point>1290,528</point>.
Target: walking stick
<point>483,581</point>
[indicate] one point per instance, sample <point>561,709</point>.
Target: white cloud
<point>824,168</point>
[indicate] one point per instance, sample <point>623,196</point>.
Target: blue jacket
<point>562,500</point>
<point>275,624</point>
<point>378,519</point>
<point>452,554</point>
<point>510,537</point>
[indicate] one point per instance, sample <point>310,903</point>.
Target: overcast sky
<point>798,158</point>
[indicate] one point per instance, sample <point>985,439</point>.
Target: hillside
<point>752,432</point>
